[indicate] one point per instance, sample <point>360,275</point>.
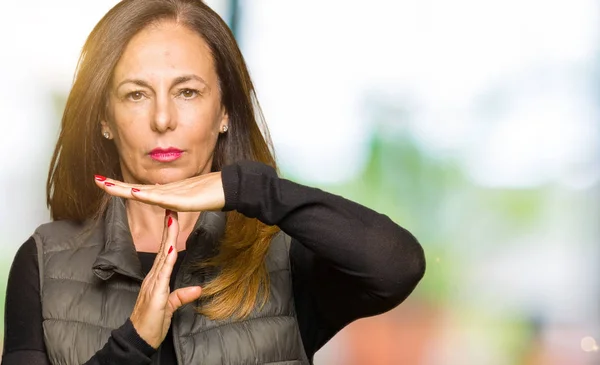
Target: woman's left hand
<point>200,193</point>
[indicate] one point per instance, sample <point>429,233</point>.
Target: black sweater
<point>347,261</point>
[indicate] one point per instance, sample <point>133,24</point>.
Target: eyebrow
<point>178,80</point>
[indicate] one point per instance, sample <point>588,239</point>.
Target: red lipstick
<point>165,154</point>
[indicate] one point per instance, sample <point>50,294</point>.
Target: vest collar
<point>119,255</point>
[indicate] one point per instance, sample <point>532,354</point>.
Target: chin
<point>164,176</point>
<point>172,175</point>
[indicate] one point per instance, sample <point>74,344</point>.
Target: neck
<point>146,223</point>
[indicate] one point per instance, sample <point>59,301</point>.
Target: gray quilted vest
<point>90,277</point>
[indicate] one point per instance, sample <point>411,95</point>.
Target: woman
<point>186,197</point>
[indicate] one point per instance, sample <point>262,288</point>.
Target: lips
<point>165,154</point>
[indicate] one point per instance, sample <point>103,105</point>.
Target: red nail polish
<point>170,222</point>
<point>108,183</point>
<point>170,250</point>
<point>99,177</point>
<point>135,190</point>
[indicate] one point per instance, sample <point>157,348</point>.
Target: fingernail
<point>170,250</point>
<point>99,177</point>
<point>135,190</point>
<point>170,222</point>
<point>108,183</point>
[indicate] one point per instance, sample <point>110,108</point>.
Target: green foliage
<point>435,200</point>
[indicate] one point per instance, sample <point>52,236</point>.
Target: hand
<point>200,193</point>
<point>155,304</point>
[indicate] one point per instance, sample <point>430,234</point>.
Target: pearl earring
<point>106,135</point>
<point>225,128</point>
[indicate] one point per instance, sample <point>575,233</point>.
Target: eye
<point>135,96</point>
<point>188,93</point>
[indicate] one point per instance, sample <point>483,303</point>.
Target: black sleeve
<point>23,332</point>
<point>124,346</point>
<point>348,261</point>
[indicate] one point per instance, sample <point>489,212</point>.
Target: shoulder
<point>280,244</point>
<point>26,254</point>
<point>23,278</point>
<point>64,234</point>
<point>279,249</point>
<point>57,228</point>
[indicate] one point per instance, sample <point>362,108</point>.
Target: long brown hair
<point>81,152</point>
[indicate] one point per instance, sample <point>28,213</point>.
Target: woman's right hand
<point>155,304</point>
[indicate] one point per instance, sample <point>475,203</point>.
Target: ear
<point>105,128</point>
<point>224,124</point>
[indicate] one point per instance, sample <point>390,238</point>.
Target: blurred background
<point>474,124</point>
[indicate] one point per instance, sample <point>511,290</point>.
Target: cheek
<point>130,144</point>
<point>202,122</point>
<point>202,136</point>
<point>128,139</point>
<point>128,125</point>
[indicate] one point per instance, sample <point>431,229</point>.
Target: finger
<point>163,276</point>
<point>191,195</point>
<point>183,296</point>
<point>184,195</point>
<point>115,187</point>
<point>164,243</point>
<point>167,250</point>
<point>102,180</point>
<point>168,214</point>
<point>122,189</point>
<point>166,197</point>
<point>115,190</point>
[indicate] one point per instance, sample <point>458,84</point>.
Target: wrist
<point>131,334</point>
<point>230,179</point>
<point>140,338</point>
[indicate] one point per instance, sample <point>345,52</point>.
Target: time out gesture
<point>156,304</point>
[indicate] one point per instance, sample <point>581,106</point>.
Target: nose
<point>164,117</point>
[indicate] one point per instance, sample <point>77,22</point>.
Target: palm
<point>200,193</point>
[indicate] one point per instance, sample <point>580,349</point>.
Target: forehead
<point>167,50</point>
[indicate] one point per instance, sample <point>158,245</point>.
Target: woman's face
<point>164,106</point>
